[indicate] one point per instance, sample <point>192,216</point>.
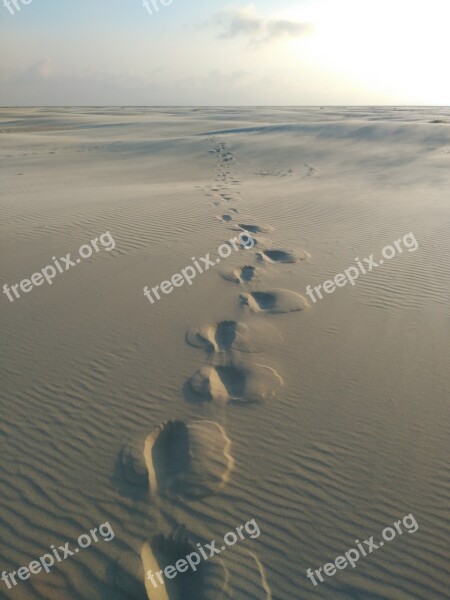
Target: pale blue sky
<point>215,52</point>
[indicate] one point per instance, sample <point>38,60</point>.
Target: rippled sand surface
<point>238,397</point>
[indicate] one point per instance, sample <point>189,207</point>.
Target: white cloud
<point>258,30</point>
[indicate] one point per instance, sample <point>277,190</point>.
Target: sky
<point>216,52</point>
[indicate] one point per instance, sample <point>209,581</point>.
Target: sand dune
<point>326,422</point>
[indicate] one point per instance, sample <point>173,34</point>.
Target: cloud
<point>39,71</point>
<point>45,84</point>
<point>258,30</point>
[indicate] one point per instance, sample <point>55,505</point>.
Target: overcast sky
<point>216,52</point>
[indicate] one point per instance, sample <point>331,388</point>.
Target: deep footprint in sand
<point>274,301</point>
<point>229,197</point>
<point>226,336</point>
<point>209,581</point>
<point>224,218</point>
<point>235,384</point>
<point>243,274</point>
<point>137,573</point>
<point>282,256</point>
<point>255,228</point>
<point>180,459</point>
<point>245,240</point>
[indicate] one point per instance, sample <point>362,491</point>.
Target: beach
<point>231,394</point>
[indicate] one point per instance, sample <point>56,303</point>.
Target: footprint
<point>282,256</point>
<point>310,171</point>
<point>136,573</point>
<point>276,256</point>
<point>274,301</point>
<point>246,273</point>
<point>235,384</point>
<point>275,173</point>
<point>180,459</point>
<point>248,236</point>
<point>225,218</point>
<point>227,336</point>
<point>215,338</point>
<point>243,274</point>
<point>256,228</point>
<point>207,582</point>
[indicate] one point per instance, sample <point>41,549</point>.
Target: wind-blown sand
<point>325,422</point>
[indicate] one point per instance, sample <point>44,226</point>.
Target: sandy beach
<point>235,395</point>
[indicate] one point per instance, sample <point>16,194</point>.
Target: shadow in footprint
<point>256,228</point>
<point>274,301</point>
<point>279,256</point>
<point>265,301</point>
<point>136,573</point>
<point>243,274</point>
<point>225,337</point>
<point>181,459</point>
<point>169,447</point>
<point>234,384</point>
<point>218,384</point>
<point>244,240</point>
<point>166,552</point>
<point>234,381</point>
<point>214,338</point>
<point>282,256</point>
<point>247,273</point>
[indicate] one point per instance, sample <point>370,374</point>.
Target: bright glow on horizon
<point>399,47</point>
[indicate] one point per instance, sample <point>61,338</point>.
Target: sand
<point>236,397</point>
